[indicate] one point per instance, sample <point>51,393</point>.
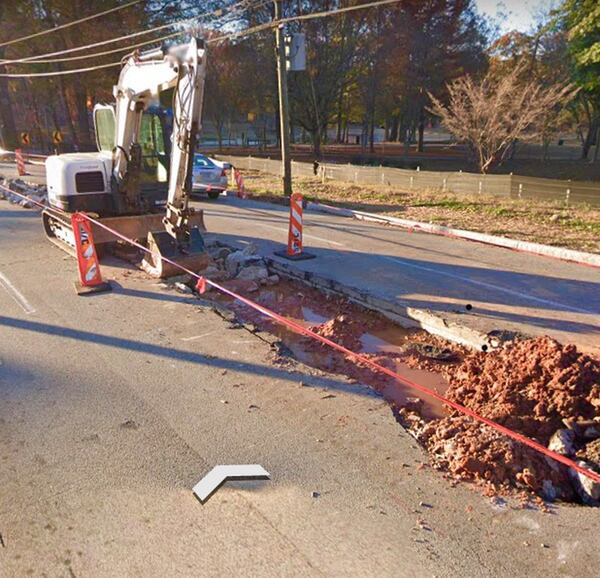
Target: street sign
<point>25,138</point>
<point>57,137</point>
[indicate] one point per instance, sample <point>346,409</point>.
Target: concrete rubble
<point>536,387</point>
<point>242,266</point>
<point>37,193</point>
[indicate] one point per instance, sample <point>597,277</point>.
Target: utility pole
<point>284,118</point>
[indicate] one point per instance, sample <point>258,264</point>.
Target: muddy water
<point>309,307</point>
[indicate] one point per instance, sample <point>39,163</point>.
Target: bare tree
<point>491,114</point>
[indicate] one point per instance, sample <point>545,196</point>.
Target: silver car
<point>209,176</point>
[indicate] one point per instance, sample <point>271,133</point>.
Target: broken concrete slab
<point>394,310</point>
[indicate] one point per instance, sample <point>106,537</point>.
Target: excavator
<point>138,165</point>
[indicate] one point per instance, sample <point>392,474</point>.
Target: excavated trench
<point>537,387</point>
<point>361,331</point>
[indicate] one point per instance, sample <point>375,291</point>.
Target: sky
<point>514,14</point>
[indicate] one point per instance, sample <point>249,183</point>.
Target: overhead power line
<point>310,16</point>
<point>32,59</point>
<point>69,24</point>
<point>105,52</point>
<point>219,12</point>
<point>59,72</point>
<point>239,34</point>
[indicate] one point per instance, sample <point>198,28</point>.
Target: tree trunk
<point>8,130</point>
<point>68,112</point>
<point>394,129</point>
<point>220,135</point>
<point>316,142</point>
<point>83,118</point>
<point>589,138</point>
<point>340,116</point>
<point>38,120</point>
<point>421,129</point>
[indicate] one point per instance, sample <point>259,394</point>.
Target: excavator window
<point>104,123</point>
<point>154,153</point>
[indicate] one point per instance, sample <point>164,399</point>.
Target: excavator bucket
<point>194,257</point>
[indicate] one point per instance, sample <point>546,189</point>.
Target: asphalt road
<point>507,290</point>
<point>113,406</point>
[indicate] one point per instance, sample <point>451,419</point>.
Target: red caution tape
<point>294,326</point>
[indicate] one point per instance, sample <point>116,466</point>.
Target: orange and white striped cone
<point>20,162</point>
<point>295,250</point>
<point>90,279</point>
<point>239,181</point>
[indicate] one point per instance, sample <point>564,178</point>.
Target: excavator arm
<point>142,78</point>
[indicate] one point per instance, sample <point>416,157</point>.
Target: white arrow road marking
<point>219,474</point>
<point>16,294</point>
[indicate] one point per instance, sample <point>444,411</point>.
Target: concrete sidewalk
<point>402,270</point>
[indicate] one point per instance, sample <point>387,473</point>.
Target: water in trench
<point>370,334</point>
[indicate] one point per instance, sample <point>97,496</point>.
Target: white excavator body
<point>109,184</point>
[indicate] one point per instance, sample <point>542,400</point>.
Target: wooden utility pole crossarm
<point>284,120</point>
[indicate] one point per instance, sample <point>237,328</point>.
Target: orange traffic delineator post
<point>90,279</point>
<point>295,250</point>
<point>20,162</point>
<point>239,181</point>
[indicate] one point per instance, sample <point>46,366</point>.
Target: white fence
<point>513,186</point>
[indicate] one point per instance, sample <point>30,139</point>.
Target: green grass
<point>581,225</point>
<point>452,204</point>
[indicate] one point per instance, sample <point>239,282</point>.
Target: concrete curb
<point>395,310</point>
<point>579,257</point>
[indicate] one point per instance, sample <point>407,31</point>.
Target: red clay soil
<point>530,387</point>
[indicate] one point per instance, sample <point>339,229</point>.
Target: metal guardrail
<point>511,186</point>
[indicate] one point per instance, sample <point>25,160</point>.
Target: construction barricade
<point>239,181</point>
<point>20,162</point>
<point>90,278</point>
<point>295,250</point>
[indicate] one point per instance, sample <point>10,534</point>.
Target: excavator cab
<point>154,140</point>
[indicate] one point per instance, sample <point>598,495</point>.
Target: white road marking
<point>16,294</point>
<point>490,286</point>
<point>197,336</point>
<point>219,474</point>
<point>307,235</point>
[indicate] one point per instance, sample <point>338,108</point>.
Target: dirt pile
<point>531,387</point>
<point>345,329</point>
<point>536,387</point>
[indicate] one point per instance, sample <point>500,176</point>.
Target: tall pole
<point>284,120</point>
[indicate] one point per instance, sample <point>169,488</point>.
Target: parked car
<point>209,176</point>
